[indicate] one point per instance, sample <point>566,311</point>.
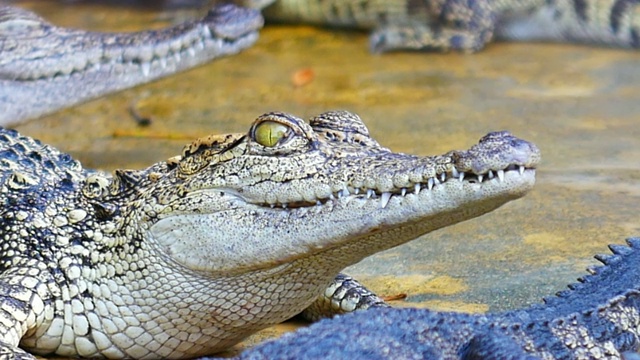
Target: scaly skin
<point>467,25</point>
<point>598,318</point>
<point>191,255</point>
<point>44,67</point>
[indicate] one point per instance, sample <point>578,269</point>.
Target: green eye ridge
<point>269,133</point>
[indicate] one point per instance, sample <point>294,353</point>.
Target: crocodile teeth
<point>206,32</point>
<point>416,189</point>
<point>521,169</point>
<point>461,176</point>
<point>403,191</point>
<point>146,68</point>
<point>356,191</point>
<point>500,174</point>
<point>370,194</point>
<point>443,177</point>
<point>455,172</point>
<point>490,174</point>
<point>384,199</point>
<point>430,183</point>
<point>480,177</point>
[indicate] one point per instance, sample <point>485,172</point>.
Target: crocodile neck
<point>44,67</point>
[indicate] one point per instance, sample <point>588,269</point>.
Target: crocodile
<point>464,25</point>
<point>44,67</point>
<point>239,232</point>
<point>596,318</point>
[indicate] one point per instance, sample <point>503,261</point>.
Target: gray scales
<point>241,231</point>
<point>597,318</point>
<point>610,23</point>
<point>465,25</point>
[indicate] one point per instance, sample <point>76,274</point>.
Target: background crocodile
<point>242,231</point>
<point>44,67</point>
<point>467,25</point>
<point>598,318</point>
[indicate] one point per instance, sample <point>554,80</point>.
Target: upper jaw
<point>386,175</point>
<point>65,52</point>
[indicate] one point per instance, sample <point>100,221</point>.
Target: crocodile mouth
<point>226,29</point>
<point>160,59</point>
<point>416,188</point>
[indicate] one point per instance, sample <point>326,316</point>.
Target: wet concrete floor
<point>580,105</point>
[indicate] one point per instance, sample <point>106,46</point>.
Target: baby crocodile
<point>597,318</point>
<point>467,25</point>
<point>242,231</point>
<point>44,67</point>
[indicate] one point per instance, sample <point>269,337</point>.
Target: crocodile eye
<point>269,133</point>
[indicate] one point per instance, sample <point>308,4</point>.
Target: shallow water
<point>578,104</point>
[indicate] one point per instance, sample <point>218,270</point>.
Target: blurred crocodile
<point>242,231</point>
<point>44,67</point>
<point>467,25</point>
<point>598,318</point>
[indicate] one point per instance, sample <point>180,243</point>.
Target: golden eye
<point>269,133</point>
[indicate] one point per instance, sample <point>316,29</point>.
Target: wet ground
<point>580,105</point>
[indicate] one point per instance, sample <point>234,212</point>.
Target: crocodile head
<point>290,190</point>
<point>44,67</point>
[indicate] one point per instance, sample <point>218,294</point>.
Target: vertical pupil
<point>270,133</point>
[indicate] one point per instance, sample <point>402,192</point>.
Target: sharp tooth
<point>146,68</point>
<point>318,202</point>
<point>403,191</point>
<point>461,176</point>
<point>480,177</point>
<point>490,174</point>
<point>521,169</point>
<point>370,194</point>
<point>206,32</point>
<point>356,191</point>
<point>500,174</point>
<point>454,172</point>
<point>332,197</point>
<point>416,188</point>
<point>384,199</point>
<point>272,205</point>
<point>345,192</point>
<point>284,206</point>
<point>443,177</point>
<point>430,183</point>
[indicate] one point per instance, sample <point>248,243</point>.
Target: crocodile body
<point>598,318</point>
<point>242,231</point>
<point>44,67</point>
<point>467,25</point>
